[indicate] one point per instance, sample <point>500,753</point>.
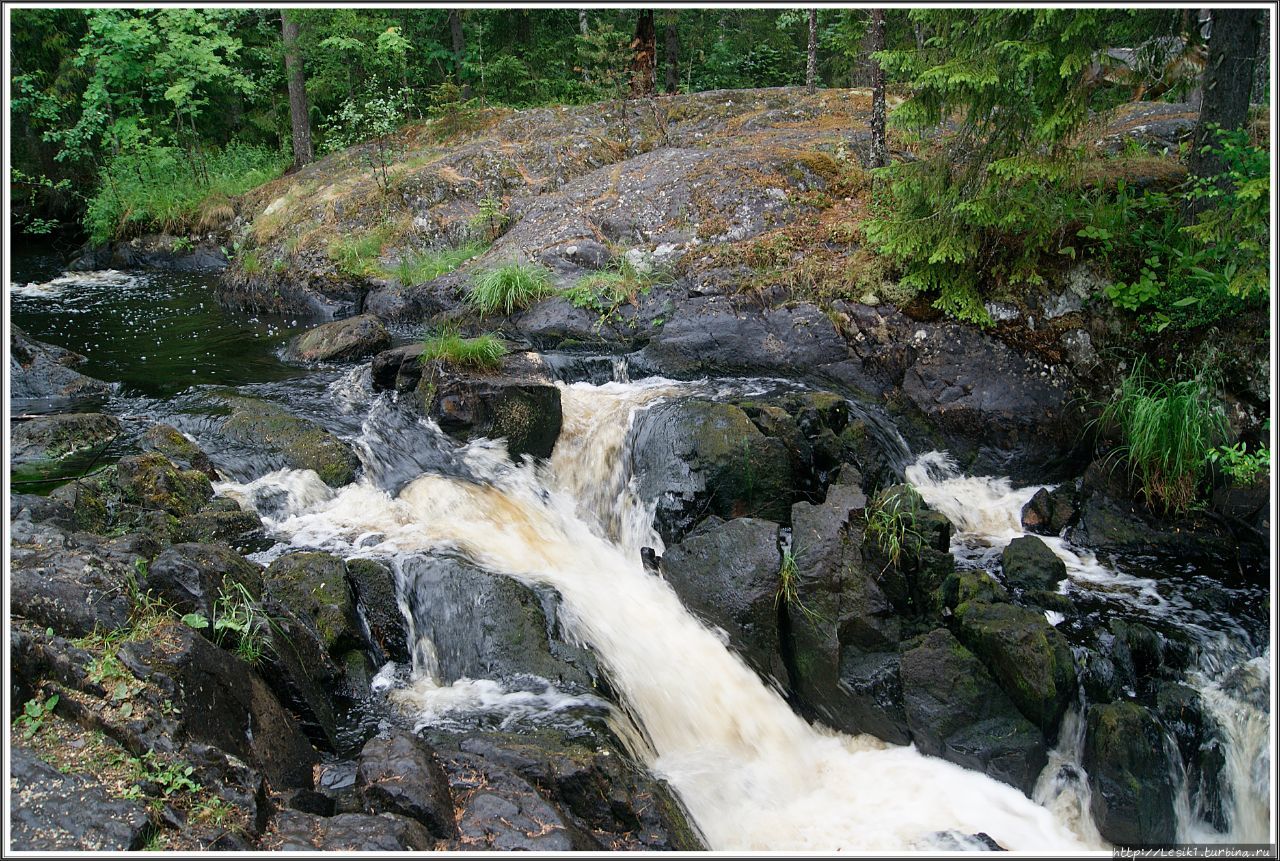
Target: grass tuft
<point>420,267</point>
<point>509,288</point>
<point>484,351</point>
<point>1168,432</point>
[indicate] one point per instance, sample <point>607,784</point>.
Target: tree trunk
<point>459,49</point>
<point>879,145</point>
<point>644,48</point>
<point>671,55</point>
<point>1228,80</point>
<point>582,21</point>
<point>811,67</point>
<point>299,116</point>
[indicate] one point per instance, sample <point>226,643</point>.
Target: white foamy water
<point>752,774</point>
<point>69,283</point>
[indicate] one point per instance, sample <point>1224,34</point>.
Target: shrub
<point>891,523</point>
<point>421,266</point>
<point>484,351</point>
<point>607,290</point>
<point>1168,432</point>
<point>509,288</point>
<point>357,256</point>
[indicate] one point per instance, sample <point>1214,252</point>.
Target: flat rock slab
<point>55,812</point>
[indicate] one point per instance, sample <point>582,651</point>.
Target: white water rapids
<point>752,774</point>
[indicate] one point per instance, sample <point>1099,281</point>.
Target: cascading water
<point>752,774</point>
<point>1232,680</point>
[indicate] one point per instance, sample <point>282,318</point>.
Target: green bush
<point>357,255</point>
<point>607,290</point>
<point>484,351</point>
<point>1168,432</point>
<point>418,267</point>
<point>509,288</point>
<point>153,190</point>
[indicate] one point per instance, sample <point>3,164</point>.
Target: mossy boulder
<point>1030,565</point>
<point>314,586</point>
<point>1129,771</point>
<point>193,577</point>
<point>518,402</point>
<point>1026,655</point>
<point>301,443</point>
<point>699,457</point>
<point>1049,512</point>
<point>341,340</point>
<point>971,585</point>
<point>956,711</point>
<point>374,586</point>
<point>908,547</point>
<point>171,442</point>
<point>47,441</point>
<point>152,481</point>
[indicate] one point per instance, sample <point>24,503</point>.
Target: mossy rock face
<point>193,577</point>
<point>341,340</point>
<point>909,551</point>
<point>375,590</point>
<point>170,442</point>
<point>963,587</point>
<point>152,481</point>
<point>956,711</point>
<point>699,457</point>
<point>48,439</point>
<point>517,402</point>
<point>314,586</point>
<point>1129,775</point>
<point>1026,655</point>
<point>302,443</point>
<point>1029,564</point>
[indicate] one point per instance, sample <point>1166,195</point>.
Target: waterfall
<point>752,774</point>
<point>1234,686</point>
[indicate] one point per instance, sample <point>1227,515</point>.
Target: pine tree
<point>299,116</point>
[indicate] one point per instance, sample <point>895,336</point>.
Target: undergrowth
<point>509,288</point>
<point>483,351</point>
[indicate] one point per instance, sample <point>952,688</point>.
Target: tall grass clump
<point>483,351</point>
<point>156,190</point>
<point>619,282</point>
<point>1168,432</point>
<point>509,288</point>
<point>891,523</point>
<point>420,267</point>
<point>357,255</point>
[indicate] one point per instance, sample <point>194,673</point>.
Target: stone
<point>43,376</point>
<point>71,589</point>
<point>397,370</point>
<point>300,443</point>
<point>729,575</point>
<point>44,441</point>
<point>314,586</point>
<point>339,341</point>
<point>1048,512</point>
<point>152,481</point>
<point>400,774</point>
<point>1029,658</point>
<point>956,711</point>
<point>1030,565</point>
<point>518,403</point>
<point>192,577</point>
<point>55,812</point>
<point>295,831</point>
<point>184,453</point>
<point>375,591</point>
<point>1129,775</point>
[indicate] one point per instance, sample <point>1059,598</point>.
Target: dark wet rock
<point>993,408</point>
<point>301,443</point>
<point>400,774</point>
<point>240,529</point>
<point>500,811</point>
<point>728,574</point>
<point>184,453</point>
<point>295,831</point>
<point>713,336</point>
<point>1111,520</point>
<point>1158,126</point>
<point>1183,715</point>
<point>298,667</point>
<point>339,341</point>
<point>1137,653</point>
<point>71,589</point>
<point>374,586</point>
<point>41,374</point>
<point>1028,657</point>
<point>1030,565</point>
<point>223,702</point>
<point>192,577</point>
<point>518,403</point>
<point>597,788</point>
<point>314,586</point>
<point>398,369</point>
<point>1049,512</point>
<point>698,457</point>
<point>45,440</point>
<point>1129,775</point>
<point>486,626</point>
<point>55,812</point>
<point>956,711</point>
<point>908,551</point>
<point>842,632</point>
<point>971,585</point>
<point>152,481</point>
<point>152,251</point>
